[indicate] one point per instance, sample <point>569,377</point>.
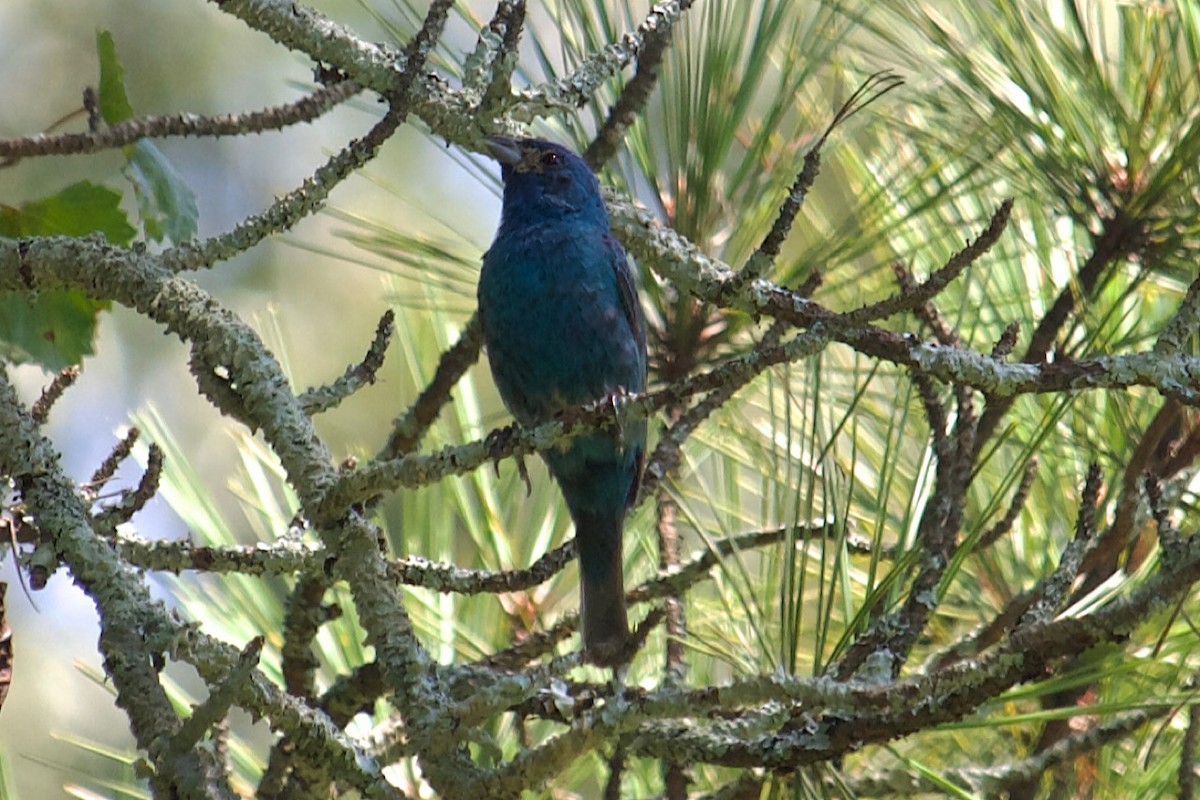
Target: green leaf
<point>57,328</point>
<point>166,204</point>
<point>77,210</point>
<point>114,104</point>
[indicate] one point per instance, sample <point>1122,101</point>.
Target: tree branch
<point>306,109</point>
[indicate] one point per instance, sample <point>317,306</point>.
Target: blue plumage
<point>562,326</point>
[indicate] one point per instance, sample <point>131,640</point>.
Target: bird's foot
<point>523,471</point>
<point>499,443</point>
<point>615,400</point>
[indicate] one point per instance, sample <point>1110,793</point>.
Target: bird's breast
<point>554,327</point>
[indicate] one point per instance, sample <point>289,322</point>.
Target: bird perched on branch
<point>562,327</point>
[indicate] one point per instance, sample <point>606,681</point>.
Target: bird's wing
<point>627,291</point>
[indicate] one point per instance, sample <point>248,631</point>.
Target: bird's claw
<point>524,473</point>
<point>615,400</point>
<point>498,443</point>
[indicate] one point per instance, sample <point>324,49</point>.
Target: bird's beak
<point>504,149</point>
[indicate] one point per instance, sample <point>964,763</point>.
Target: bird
<point>562,326</point>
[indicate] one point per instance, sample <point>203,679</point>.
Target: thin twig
<point>635,94</point>
<point>993,781</point>
<point>1184,324</point>
<point>508,22</point>
<point>927,312</point>
<point>289,209</point>
<point>577,88</point>
<point>1119,236</point>
<point>356,376</point>
<point>221,698</point>
<point>873,88</point>
<point>410,428</point>
<point>1007,341</point>
<point>616,768</point>
<point>935,283</point>
<point>108,467</point>
<point>62,381</point>
<point>667,453</point>
<point>1053,591</point>
<point>420,470</point>
<point>935,411</point>
<point>1015,505</point>
<point>278,117</point>
<point>133,502</point>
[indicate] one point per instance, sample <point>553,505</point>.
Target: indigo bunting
<point>562,326</point>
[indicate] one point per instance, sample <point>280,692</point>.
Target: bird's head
<point>545,181</point>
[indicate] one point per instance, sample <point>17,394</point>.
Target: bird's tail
<point>602,603</point>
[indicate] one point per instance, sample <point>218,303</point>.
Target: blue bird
<point>562,326</point>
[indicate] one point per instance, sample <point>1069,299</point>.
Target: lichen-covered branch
<point>759,263</point>
<point>135,630</point>
<point>306,109</point>
<point>578,87</point>
<point>410,428</point>
<point>757,722</point>
<point>287,211</point>
<point>635,94</point>
<point>357,375</point>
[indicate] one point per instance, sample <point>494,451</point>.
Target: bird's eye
<point>551,159</point>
